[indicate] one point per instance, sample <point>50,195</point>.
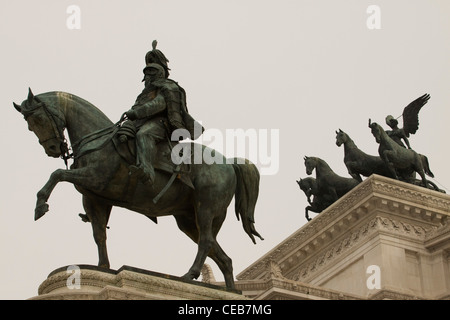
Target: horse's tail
<point>246,194</point>
<point>426,166</point>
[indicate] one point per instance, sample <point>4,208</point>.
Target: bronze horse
<point>357,161</point>
<point>102,175</point>
<point>319,201</point>
<point>401,162</point>
<point>329,183</point>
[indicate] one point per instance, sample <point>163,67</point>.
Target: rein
<point>96,134</point>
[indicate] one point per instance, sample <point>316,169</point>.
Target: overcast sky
<point>296,69</point>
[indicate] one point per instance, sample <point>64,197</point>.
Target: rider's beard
<point>149,85</point>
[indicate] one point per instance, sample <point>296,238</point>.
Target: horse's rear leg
<point>225,264</point>
<point>98,214</point>
<point>187,224</point>
<point>205,242</point>
<point>424,178</point>
<point>219,256</point>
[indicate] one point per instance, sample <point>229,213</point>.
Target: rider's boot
<point>146,152</point>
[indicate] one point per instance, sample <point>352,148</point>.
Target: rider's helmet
<point>156,56</point>
<point>155,71</point>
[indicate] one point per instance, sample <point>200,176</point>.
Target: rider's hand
<point>131,114</point>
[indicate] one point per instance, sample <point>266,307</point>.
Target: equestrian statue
<point>130,164</point>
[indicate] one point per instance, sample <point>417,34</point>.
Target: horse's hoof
<point>84,217</point>
<point>40,211</point>
<point>230,286</point>
<point>189,276</point>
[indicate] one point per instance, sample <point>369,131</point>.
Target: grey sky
<point>304,68</point>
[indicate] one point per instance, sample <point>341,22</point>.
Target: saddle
<point>126,148</point>
<point>123,139</point>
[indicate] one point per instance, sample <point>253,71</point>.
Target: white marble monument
<point>385,239</point>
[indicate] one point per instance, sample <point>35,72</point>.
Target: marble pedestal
<point>85,282</point>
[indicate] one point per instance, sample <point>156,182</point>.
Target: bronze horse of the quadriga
<point>102,175</point>
<point>329,186</point>
<point>402,163</point>
<point>358,162</point>
<point>319,201</point>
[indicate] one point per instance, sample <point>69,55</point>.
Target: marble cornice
<point>408,210</point>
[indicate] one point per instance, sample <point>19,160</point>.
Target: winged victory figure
<point>410,121</point>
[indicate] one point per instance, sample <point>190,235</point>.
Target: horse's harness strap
<point>92,135</point>
<point>110,130</point>
<point>169,183</point>
<point>96,134</point>
<point>169,141</point>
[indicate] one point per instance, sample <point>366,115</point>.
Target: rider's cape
<point>177,112</point>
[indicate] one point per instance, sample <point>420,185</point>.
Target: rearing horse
<point>102,176</point>
<point>319,202</point>
<point>329,184</point>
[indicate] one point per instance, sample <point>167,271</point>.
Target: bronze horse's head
<point>307,184</point>
<point>310,164</point>
<point>45,123</point>
<point>303,186</point>
<point>376,130</point>
<point>340,137</point>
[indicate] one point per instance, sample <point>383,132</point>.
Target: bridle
<point>66,150</point>
<point>57,130</point>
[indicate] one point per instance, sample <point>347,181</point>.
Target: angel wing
<point>411,114</point>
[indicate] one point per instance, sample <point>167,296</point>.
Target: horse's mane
<point>380,129</point>
<point>320,160</point>
<point>54,100</point>
<point>350,141</point>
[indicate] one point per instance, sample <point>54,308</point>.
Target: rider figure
<point>396,133</point>
<point>158,111</point>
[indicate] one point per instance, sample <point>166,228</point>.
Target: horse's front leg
<point>307,213</point>
<point>98,214</point>
<point>82,177</point>
<point>352,168</point>
<point>418,167</point>
<point>386,156</point>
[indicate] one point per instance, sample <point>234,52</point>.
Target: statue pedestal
<point>385,239</point>
<point>85,282</point>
